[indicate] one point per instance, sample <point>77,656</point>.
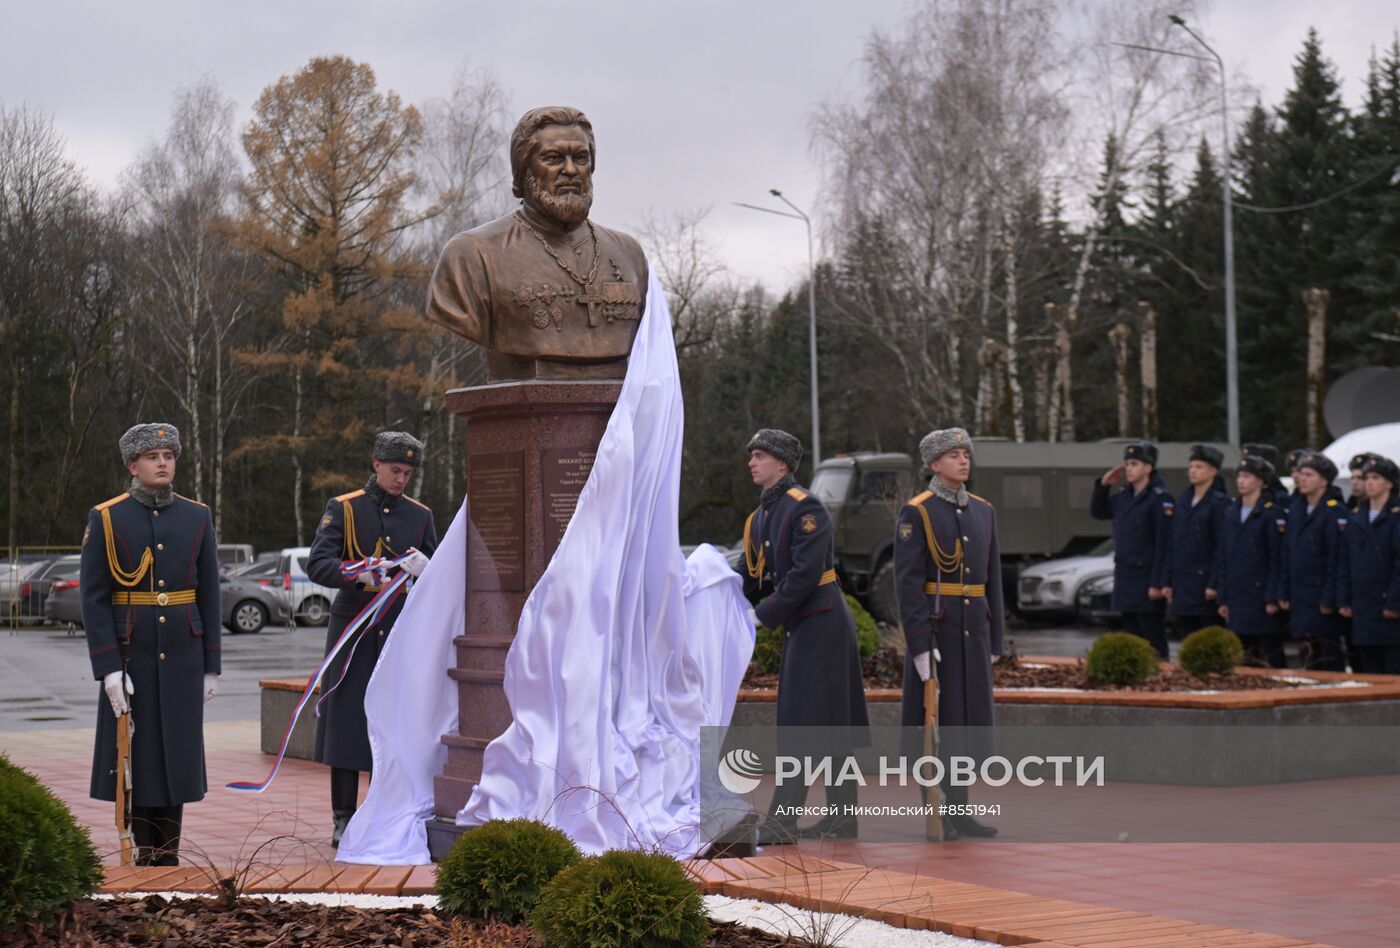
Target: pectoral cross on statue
<point>591,298</point>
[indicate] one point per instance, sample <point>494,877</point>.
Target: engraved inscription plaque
<point>563,472</point>
<point>496,494</point>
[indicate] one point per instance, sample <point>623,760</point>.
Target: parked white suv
<point>310,601</point>
<point>1052,587</point>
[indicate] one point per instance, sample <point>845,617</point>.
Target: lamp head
<point>1176,19</point>
<point>775,192</point>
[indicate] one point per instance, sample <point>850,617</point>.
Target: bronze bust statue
<point>548,293</point>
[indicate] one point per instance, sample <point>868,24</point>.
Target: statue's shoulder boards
<point>113,502</point>
<point>351,496</point>
<point>797,493</point>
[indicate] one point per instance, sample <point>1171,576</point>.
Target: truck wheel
<point>884,603</point>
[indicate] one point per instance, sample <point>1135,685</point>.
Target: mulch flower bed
<point>885,669</point>
<point>157,921</point>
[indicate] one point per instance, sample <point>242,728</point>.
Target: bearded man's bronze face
<point>559,174</point>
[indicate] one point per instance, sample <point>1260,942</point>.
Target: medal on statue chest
<point>549,304</point>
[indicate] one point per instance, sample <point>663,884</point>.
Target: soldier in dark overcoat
<point>948,582</point>
<point>377,522</point>
<point>1356,487</point>
<point>1249,563</point>
<point>789,572</point>
<point>1275,489</point>
<point>149,579</point>
<point>1191,583</point>
<point>1370,576</point>
<point>1142,541</point>
<point>1312,546</point>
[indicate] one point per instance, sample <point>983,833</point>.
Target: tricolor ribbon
<point>372,613</point>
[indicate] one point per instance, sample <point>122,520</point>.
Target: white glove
<point>753,617</point>
<point>415,564</point>
<point>372,575</point>
<point>211,687</point>
<point>921,663</point>
<point>112,684</point>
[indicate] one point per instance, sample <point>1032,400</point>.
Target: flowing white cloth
<point>623,651</point>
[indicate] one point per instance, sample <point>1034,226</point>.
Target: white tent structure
<point>1379,439</point>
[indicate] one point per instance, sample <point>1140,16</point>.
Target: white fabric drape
<point>623,651</point>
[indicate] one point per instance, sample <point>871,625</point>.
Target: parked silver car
<point>1051,588</point>
<point>64,604</point>
<point>249,604</point>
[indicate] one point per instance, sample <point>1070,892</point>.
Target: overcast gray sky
<point>701,103</point>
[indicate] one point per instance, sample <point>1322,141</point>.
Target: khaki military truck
<point>1041,491</point>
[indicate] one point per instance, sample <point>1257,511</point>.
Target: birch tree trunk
<point>1148,367</point>
<point>1315,299</point>
<point>1118,336</point>
<point>1013,365</point>
<point>298,473</point>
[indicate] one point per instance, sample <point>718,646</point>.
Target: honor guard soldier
<point>789,571</point>
<point>1142,541</point>
<point>1274,490</point>
<point>1195,532</point>
<point>150,594</point>
<point>1249,563</point>
<point>948,581</point>
<point>378,521</point>
<point>1311,548</point>
<point>1356,487</point>
<point>1370,573</point>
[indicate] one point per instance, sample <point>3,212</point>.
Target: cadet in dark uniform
<point>948,580</point>
<point>150,591</point>
<point>1274,490</point>
<point>378,521</point>
<point>1356,489</point>
<point>1191,583</point>
<point>1370,574</point>
<point>789,559</point>
<point>1142,541</point>
<point>1311,548</point>
<point>1249,564</point>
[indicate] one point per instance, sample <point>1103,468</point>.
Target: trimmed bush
<point>1119,658</point>
<point>622,898</point>
<point>47,860</point>
<point>499,869</point>
<point>768,644</point>
<point>1211,651</point>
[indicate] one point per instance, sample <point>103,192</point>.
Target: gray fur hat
<point>935,444</point>
<point>778,443</point>
<point>398,447</point>
<point>148,437</point>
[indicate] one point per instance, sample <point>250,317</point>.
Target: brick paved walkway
<point>1342,894</point>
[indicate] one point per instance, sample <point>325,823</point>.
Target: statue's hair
<point>525,138</point>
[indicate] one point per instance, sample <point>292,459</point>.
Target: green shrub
<point>622,898</point>
<point>768,644</point>
<point>499,869</point>
<point>1211,651</point>
<point>1118,658</point>
<point>46,858</point>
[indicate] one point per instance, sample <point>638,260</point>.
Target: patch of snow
<point>845,930</point>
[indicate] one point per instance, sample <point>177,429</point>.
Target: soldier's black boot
<point>345,796</point>
<point>168,824</point>
<point>143,835</point>
<point>779,828</point>
<point>839,824</point>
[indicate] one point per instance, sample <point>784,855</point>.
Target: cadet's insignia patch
<point>1341,523</point>
<point>906,530</point>
<point>326,520</point>
<point>87,532</point>
<point>809,523</point>
<point>1168,509</point>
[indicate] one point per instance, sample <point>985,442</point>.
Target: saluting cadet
<point>1142,541</point>
<point>377,521</point>
<point>1274,490</point>
<point>948,580</point>
<point>1195,531</point>
<point>1356,487</point>
<point>1249,564</point>
<point>789,572</point>
<point>1311,548</point>
<point>149,579</point>
<point>1370,573</point>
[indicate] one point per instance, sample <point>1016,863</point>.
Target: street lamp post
<point>1232,367</point>
<point>798,214</point>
